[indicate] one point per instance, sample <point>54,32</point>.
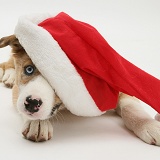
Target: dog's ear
<point>12,41</point>
<point>5,41</point>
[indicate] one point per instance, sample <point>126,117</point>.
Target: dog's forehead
<point>24,59</point>
<point>27,61</point>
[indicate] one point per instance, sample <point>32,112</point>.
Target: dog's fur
<point>37,125</point>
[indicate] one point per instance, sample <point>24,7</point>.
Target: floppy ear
<point>12,41</point>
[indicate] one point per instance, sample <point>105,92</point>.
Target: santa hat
<point>80,65</point>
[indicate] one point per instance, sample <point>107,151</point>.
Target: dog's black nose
<point>32,105</point>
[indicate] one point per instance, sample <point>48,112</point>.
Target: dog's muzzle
<point>36,99</point>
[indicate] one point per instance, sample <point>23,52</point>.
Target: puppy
<point>38,103</point>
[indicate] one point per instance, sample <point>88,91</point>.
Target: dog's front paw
<point>9,77</point>
<point>1,74</point>
<point>149,131</point>
<point>38,130</point>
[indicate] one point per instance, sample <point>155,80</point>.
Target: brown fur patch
<point>13,42</point>
<point>21,61</point>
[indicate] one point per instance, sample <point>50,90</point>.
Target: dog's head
<point>36,98</point>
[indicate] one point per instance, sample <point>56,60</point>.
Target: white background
<point>132,27</point>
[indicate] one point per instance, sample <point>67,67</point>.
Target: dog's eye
<point>29,70</point>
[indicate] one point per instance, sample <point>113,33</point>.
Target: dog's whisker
<point>60,115</point>
<point>61,118</point>
<point>57,118</point>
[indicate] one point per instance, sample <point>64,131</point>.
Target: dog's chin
<point>42,114</point>
<point>35,116</point>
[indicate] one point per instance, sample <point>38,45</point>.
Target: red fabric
<point>103,70</point>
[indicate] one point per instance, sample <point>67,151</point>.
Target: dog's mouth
<point>55,109</point>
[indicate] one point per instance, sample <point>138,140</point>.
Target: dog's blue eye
<point>29,70</point>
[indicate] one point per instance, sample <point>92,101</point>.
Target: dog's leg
<point>2,68</point>
<point>15,94</point>
<point>137,120</point>
<point>7,72</point>
<point>38,130</point>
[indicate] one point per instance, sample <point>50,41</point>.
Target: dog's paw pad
<point>9,77</point>
<point>1,74</point>
<point>38,131</point>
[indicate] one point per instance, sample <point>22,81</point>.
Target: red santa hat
<point>86,72</point>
